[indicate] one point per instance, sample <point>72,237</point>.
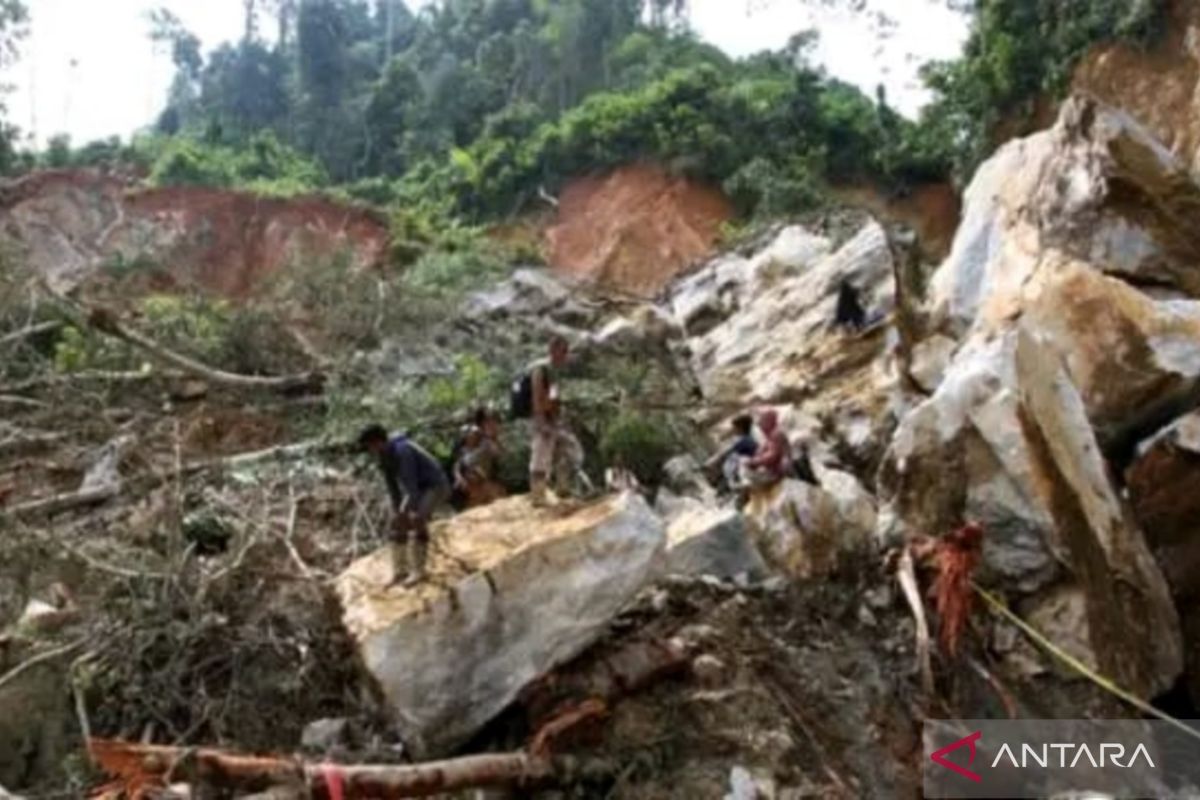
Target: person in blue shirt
<point>743,445</point>
<point>418,487</point>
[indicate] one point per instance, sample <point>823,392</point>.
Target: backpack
<point>520,398</point>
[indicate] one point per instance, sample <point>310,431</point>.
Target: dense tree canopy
<point>471,109</point>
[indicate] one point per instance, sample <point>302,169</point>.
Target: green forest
<point>465,112</point>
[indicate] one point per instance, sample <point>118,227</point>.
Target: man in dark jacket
<point>417,486</point>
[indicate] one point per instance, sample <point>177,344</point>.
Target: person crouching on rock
<point>773,461</point>
<point>418,487</point>
<point>476,467</point>
<point>728,460</point>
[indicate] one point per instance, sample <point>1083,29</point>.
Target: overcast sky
<point>89,69</point>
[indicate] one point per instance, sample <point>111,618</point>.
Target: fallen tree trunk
<point>147,767</point>
<point>49,506</point>
<point>32,330</point>
<point>72,378</point>
<point>106,322</point>
<point>23,445</point>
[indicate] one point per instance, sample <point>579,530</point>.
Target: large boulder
<point>1164,488</point>
<point>513,593</point>
<point>1006,441</point>
<point>1132,624</point>
<point>712,541</point>
<point>1069,291</point>
<point>1134,359</point>
<point>801,530</point>
<point>1096,188</point>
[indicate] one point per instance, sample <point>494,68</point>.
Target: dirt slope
<point>1160,86</point>
<point>636,228</point>
<point>71,224</point>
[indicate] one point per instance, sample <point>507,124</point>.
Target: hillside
<point>979,329</point>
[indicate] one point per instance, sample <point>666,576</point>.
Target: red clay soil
<point>71,222</point>
<point>635,229</point>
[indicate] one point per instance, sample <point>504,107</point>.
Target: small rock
<point>188,391</point>
<point>660,600</point>
<point>741,785</point>
<point>325,734</point>
<point>775,585</point>
<point>879,598</point>
<point>695,635</point>
<point>709,670</point>
<point>867,617</point>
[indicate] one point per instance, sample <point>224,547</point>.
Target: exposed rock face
<point>1131,622</point>
<point>514,592</point>
<point>69,224</point>
<point>712,541</point>
<point>760,330</point>
<point>1062,358</point>
<point>802,530</point>
<point>1096,188</point>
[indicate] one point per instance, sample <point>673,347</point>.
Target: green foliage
<point>641,443</point>
<point>456,271</point>
<point>1019,52</point>
<point>473,383</point>
<point>194,325</point>
<point>264,165</point>
<point>75,351</point>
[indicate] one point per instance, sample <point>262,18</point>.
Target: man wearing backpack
<point>556,453</point>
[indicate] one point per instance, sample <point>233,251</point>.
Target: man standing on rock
<point>418,487</point>
<point>556,451</point>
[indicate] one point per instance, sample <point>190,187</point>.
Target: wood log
<point>74,378</point>
<point>25,333</point>
<point>108,323</point>
<point>143,768</point>
<point>906,574</point>
<point>49,506</point>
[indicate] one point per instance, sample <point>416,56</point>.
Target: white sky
<point>89,69</point>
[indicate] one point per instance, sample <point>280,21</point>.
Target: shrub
<point>641,443</point>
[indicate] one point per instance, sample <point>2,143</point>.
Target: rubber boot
<point>400,563</point>
<point>418,552</point>
<point>538,491</point>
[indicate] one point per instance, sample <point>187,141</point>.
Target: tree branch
<point>25,333</point>
<point>106,322</point>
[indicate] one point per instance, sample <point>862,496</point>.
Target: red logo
<point>939,757</point>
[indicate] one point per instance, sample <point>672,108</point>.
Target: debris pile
<point>219,610</point>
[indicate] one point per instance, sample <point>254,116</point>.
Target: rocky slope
<point>1045,386</point>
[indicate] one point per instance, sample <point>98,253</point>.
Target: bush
<point>263,165</point>
<point>641,443</point>
<point>457,271</point>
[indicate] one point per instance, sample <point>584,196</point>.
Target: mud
<point>635,229</point>
<point>71,224</point>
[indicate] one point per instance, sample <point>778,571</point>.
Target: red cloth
<point>773,455</point>
<point>335,785</point>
